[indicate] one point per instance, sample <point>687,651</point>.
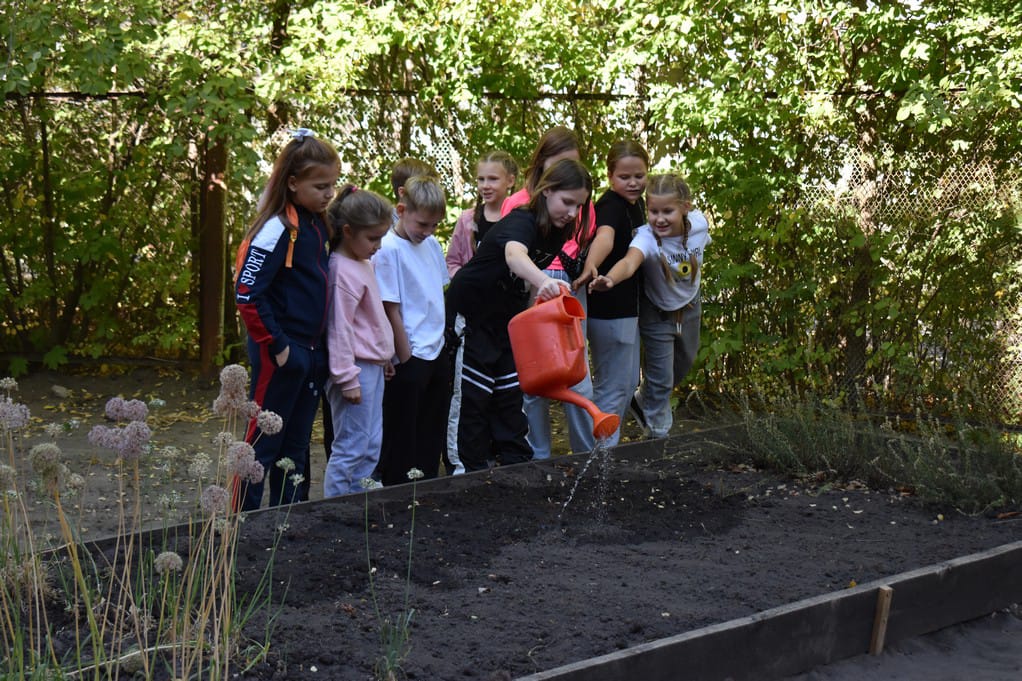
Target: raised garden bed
<point>509,579</point>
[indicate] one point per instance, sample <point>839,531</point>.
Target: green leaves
<point>799,128</point>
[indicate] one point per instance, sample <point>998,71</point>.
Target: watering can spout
<point>604,424</point>
<point>549,352</point>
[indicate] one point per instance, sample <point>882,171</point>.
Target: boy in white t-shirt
<point>412,274</point>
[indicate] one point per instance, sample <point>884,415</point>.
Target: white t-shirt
<point>414,275</point>
<point>680,290</point>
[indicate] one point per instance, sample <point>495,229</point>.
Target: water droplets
<point>600,455</point>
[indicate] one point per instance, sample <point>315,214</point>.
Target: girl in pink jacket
<point>360,341</point>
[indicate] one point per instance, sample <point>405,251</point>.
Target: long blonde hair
<point>673,186</point>
<point>510,167</point>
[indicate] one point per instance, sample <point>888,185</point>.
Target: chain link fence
<point>956,189</point>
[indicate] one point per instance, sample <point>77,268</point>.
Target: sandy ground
<point>987,649</point>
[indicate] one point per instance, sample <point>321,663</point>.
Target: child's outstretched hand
<point>352,395</point>
<point>601,283</point>
<point>551,288</point>
<point>588,274</point>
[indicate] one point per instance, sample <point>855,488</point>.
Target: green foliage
<point>759,104</point>
<point>950,463</point>
<point>56,357</point>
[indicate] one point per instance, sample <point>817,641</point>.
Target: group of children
<point>344,293</point>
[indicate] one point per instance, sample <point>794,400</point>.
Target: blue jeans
<point>537,409</point>
<point>614,348</point>
<point>358,433</point>
<point>668,354</point>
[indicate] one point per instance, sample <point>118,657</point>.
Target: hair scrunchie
<point>301,133</point>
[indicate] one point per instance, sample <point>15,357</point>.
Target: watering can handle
<point>561,294</point>
<point>573,333</point>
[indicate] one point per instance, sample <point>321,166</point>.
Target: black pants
<point>491,422</point>
<point>415,405</point>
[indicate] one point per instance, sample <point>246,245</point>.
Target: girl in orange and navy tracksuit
<point>282,294</point>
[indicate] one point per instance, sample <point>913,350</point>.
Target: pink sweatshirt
<point>461,247</point>
<point>521,197</point>
<point>357,327</point>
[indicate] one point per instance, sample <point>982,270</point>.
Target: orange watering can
<point>549,352</point>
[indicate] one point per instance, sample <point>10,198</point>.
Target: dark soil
<point>508,578</point>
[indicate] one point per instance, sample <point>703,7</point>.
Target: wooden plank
<point>955,591</point>
<point>795,638</point>
<point>876,644</point>
<point>771,644</point>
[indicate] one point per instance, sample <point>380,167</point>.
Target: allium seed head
<point>74,483</point>
<point>119,409</point>
<point>44,457</point>
<point>167,562</point>
<point>253,472</point>
<point>13,415</point>
<point>134,440</point>
<point>269,422</point>
<point>250,409</point>
<point>8,384</point>
<point>8,477</point>
<point>233,380</point>
<point>199,467</point>
<point>222,406</point>
<point>286,464</point>
<point>213,500</point>
<point>114,406</point>
<point>239,454</point>
<point>415,474</point>
<point>103,436</point>
<point>45,460</point>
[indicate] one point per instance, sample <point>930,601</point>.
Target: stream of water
<point>601,456</point>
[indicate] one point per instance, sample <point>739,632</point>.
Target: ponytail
<point>360,209</point>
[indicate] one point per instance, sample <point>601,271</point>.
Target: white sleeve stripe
<point>267,237</point>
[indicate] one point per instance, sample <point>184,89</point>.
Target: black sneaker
<point>636,412</point>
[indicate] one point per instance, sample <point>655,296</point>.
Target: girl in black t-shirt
<point>613,327</point>
<point>487,292</point>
